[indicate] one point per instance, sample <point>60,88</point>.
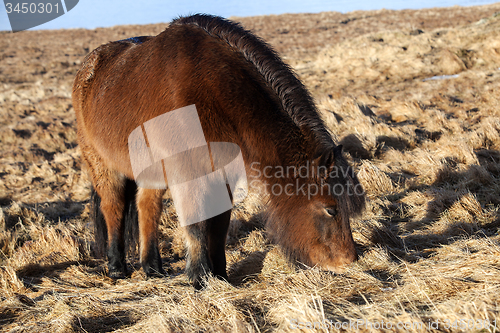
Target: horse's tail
<point>131,216</point>
<point>130,219</point>
<point>295,99</point>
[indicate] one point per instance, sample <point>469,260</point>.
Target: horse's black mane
<point>295,99</point>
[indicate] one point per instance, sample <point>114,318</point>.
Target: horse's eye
<point>331,211</point>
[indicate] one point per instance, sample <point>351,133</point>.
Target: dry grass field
<point>414,97</point>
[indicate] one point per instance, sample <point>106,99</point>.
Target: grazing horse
<point>244,94</point>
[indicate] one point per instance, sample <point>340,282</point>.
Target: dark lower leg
<point>151,262</point>
<point>216,234</point>
<point>198,264</point>
<point>117,266</point>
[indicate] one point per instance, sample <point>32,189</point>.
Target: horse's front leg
<point>198,263</point>
<point>217,228</point>
<point>206,242</point>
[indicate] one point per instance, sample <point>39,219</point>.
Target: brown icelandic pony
<point>244,94</point>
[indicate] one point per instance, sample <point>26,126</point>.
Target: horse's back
<point>123,84</point>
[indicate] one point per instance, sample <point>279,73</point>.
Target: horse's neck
<point>279,161</point>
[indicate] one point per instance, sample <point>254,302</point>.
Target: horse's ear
<point>337,152</point>
<point>325,159</point>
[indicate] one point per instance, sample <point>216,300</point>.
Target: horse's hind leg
<point>149,206</point>
<point>112,207</point>
<point>110,202</point>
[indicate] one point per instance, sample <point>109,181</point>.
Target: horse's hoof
<point>222,277</point>
<point>154,273</point>
<point>117,274</point>
<point>199,284</point>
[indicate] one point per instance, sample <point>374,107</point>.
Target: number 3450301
<point>32,8</point>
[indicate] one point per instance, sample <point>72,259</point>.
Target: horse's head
<point>311,223</point>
